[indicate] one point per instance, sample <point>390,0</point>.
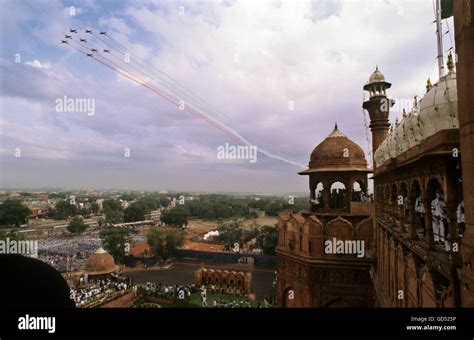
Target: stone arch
<point>433,186</point>
<point>224,276</point>
<point>358,191</point>
<point>339,228</point>
<point>317,194</point>
<point>338,195</point>
<point>315,235</point>
<point>365,231</point>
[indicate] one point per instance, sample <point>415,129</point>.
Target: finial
<point>450,62</point>
<point>335,126</point>
<point>415,101</point>
<point>429,86</point>
<point>404,113</point>
<point>376,68</point>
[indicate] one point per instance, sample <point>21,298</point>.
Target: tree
<point>63,210</point>
<point>114,241</point>
<point>135,212</point>
<point>267,240</point>
<point>12,212</point>
<point>101,222</point>
<point>113,216</point>
<point>76,225</point>
<point>230,235</point>
<point>112,204</point>
<point>164,241</point>
<point>164,202</point>
<point>94,208</point>
<point>176,217</point>
<point>85,211</point>
<point>12,235</point>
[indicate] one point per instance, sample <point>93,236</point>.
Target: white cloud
<point>37,64</point>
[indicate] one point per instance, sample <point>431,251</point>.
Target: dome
<point>99,263</point>
<point>377,76</point>
<point>436,111</point>
<point>337,153</point>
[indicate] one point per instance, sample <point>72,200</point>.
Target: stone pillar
<point>428,223</point>
<point>412,218</point>
<point>401,220</point>
<point>326,194</point>
<point>348,194</point>
<point>452,228</point>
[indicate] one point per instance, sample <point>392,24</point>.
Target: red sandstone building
<point>308,274</point>
<point>420,158</point>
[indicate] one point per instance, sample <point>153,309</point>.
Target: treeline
<point>212,207</point>
<point>235,237</point>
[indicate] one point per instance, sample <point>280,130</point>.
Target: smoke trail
<point>172,86</point>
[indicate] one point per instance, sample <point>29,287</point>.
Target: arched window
<point>338,196</point>
<point>359,192</point>
<point>317,201</point>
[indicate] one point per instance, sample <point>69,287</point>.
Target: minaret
<point>378,107</point>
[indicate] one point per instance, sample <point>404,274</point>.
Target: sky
<point>279,74</point>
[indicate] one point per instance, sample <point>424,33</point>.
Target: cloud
<point>247,59</point>
<point>37,64</point>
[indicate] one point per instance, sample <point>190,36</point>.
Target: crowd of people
<point>184,292</point>
<point>99,292</point>
<point>64,263</point>
<point>171,292</point>
<point>86,242</point>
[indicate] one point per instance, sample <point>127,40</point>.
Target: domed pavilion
<point>335,165</point>
<point>100,263</point>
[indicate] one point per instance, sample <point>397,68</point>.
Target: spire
<point>335,126</point>
<point>376,68</point>
<point>429,86</point>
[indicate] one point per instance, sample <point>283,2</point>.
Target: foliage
<point>101,221</point>
<point>113,216</point>
<point>267,239</point>
<point>12,212</point>
<point>76,225</point>
<point>12,235</point>
<point>231,234</point>
<point>114,241</point>
<point>63,210</point>
<point>164,241</point>
<point>111,205</point>
<point>176,217</point>
<point>135,212</point>
<point>94,208</point>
